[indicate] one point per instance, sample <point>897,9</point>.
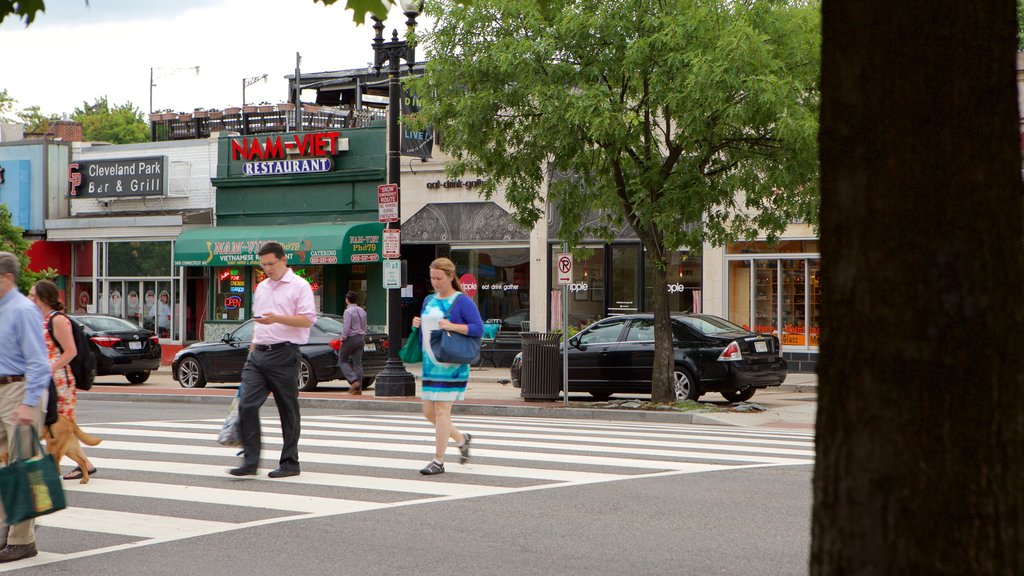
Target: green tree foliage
<point>24,9</point>
<point>13,241</point>
<point>123,124</point>
<point>689,121</point>
<point>6,107</point>
<point>34,120</point>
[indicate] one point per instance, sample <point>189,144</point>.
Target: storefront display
<point>776,293</point>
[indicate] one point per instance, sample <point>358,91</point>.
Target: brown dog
<point>62,439</point>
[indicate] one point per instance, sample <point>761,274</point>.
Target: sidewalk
<point>792,406</point>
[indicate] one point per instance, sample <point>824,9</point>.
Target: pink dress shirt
<point>289,296</point>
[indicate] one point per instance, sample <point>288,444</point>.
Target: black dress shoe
<point>13,552</point>
<point>242,471</point>
<point>283,472</point>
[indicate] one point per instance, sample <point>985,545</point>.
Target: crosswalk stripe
<point>249,499</point>
<point>346,481</point>
<point>581,459</point>
<point>595,425</point>
<point>375,462</point>
<point>751,454</point>
<point>130,523</point>
<point>560,429</point>
<point>362,430</point>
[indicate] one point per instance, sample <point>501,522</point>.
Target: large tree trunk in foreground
<point>920,437</point>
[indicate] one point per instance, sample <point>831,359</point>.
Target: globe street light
<point>394,379</point>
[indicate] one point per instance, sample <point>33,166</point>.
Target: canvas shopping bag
<point>30,484</point>
<point>412,352</point>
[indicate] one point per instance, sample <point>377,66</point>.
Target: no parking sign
<point>563,263</point>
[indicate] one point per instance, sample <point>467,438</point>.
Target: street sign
<point>392,243</point>
<point>392,274</point>
<point>563,263</point>
<point>387,203</point>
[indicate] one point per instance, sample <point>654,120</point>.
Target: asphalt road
<point>736,521</point>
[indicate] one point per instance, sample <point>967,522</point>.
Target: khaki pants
<point>11,396</point>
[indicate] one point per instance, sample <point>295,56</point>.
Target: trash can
<point>541,377</point>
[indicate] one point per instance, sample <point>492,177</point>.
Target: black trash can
<point>541,376</point>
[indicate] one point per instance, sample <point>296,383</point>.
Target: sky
<point>75,53</point>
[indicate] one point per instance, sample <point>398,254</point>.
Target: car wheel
<point>600,395</point>
<point>367,382</point>
<point>307,376</point>
<point>137,377</point>
<point>685,385</point>
<point>190,374</point>
<point>738,395</point>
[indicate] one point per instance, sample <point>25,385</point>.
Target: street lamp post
<point>246,82</point>
<point>394,379</point>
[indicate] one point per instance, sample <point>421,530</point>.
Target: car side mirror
<point>227,338</point>
<point>576,343</point>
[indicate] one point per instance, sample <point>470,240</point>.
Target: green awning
<point>305,244</point>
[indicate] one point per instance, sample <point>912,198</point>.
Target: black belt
<point>10,379</point>
<point>269,347</point>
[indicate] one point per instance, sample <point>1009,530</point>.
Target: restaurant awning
<point>304,244</point>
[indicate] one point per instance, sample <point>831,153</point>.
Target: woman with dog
<point>46,296</point>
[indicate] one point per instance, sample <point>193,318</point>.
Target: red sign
<point>392,243</point>
<point>314,144</point>
<point>468,283</point>
<point>387,203</point>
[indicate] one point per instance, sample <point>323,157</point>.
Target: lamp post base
<point>394,380</point>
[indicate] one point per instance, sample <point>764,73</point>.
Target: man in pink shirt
<point>283,310</point>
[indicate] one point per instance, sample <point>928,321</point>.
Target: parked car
<point>711,355</point>
<point>519,321</point>
<point>121,347</point>
<point>222,361</point>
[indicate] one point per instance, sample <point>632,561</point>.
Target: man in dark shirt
<point>353,337</point>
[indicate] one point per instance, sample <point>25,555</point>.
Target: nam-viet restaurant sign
<point>120,177</point>
<point>313,244</point>
<point>306,153</point>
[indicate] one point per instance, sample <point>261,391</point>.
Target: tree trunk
<point>662,380</point>
<point>920,440</point>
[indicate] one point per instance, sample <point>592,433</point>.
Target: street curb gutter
<point>415,406</point>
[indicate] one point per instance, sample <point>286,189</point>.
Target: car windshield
<point>710,325</point>
<point>106,323</point>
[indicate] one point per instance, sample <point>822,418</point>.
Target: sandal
<point>76,474</point>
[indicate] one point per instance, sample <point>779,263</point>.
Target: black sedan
<point>711,355</point>
<point>121,347</point>
<point>222,361</point>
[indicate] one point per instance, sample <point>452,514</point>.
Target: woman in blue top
<point>445,383</point>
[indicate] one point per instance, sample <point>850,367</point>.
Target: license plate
<point>135,345</point>
<point>760,346</point>
<point>369,347</point>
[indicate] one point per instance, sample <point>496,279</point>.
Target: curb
<point>549,410</point>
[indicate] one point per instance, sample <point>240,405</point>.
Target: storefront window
<point>786,299</point>
<point>782,247</point>
<point>586,292</point>
<point>684,280</point>
<point>134,281</point>
<point>794,303</point>
<point>83,259</point>
<point>231,295</point>
<point>625,276</point>
<point>502,278</point>
<point>766,317</point>
<point>139,259</point>
<point>312,274</point>
<point>739,293</point>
